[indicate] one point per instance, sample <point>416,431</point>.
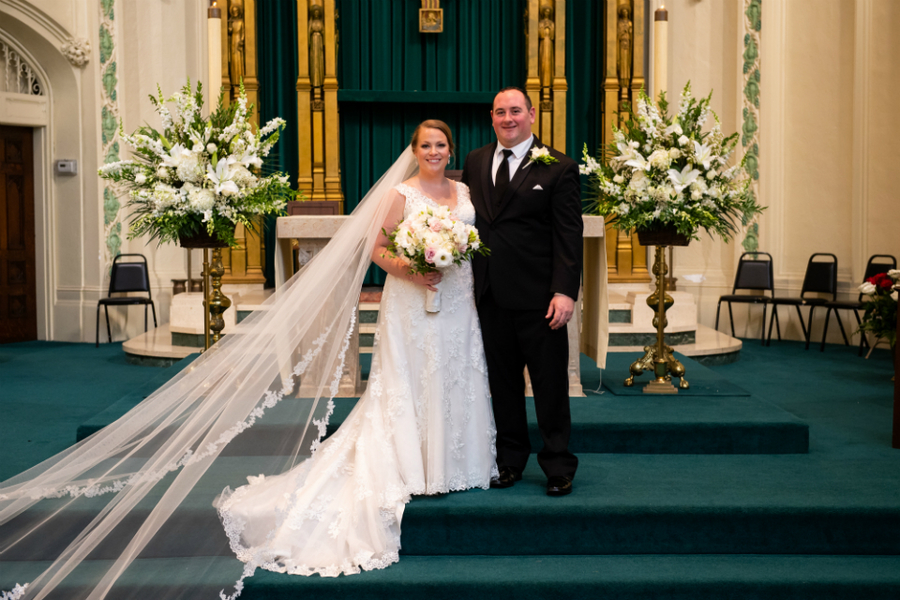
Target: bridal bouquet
<point>665,170</point>
<point>431,240</point>
<point>880,316</point>
<point>199,174</point>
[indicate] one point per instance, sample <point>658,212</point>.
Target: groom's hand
<point>560,311</point>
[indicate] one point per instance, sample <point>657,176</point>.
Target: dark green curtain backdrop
<point>584,74</point>
<point>392,77</point>
<point>277,47</point>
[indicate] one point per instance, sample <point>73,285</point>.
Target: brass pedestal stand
<point>658,358</point>
<point>215,303</point>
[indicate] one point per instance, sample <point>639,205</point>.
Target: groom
<point>529,215</point>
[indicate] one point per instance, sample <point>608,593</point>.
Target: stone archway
<point>62,209</point>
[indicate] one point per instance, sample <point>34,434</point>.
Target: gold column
<point>243,264</point>
<point>623,77</point>
<point>317,107</point>
<point>546,83</point>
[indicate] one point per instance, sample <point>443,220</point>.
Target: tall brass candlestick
<point>658,357</point>
<point>218,302</point>
<point>206,298</point>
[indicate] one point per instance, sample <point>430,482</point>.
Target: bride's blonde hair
<point>434,124</point>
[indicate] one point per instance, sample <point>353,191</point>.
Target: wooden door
<point>18,290</point>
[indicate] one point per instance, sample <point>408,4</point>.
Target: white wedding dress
<point>423,426</point>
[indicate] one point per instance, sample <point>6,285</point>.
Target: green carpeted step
<point>623,504</point>
<point>132,399</point>
<point>649,424</point>
<point>646,577</point>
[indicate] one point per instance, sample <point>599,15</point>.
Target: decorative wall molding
<point>772,135</point>
<point>109,130</point>
<point>42,20</point>
<point>17,76</point>
<point>861,83</point>
<point>77,51</point>
<point>752,26</point>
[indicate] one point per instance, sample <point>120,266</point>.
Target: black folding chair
<point>126,277</point>
<point>752,274</point>
<point>878,263</point>
<point>820,278</point>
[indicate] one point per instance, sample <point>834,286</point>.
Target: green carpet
<point>47,387</point>
<point>661,525</point>
<point>703,380</point>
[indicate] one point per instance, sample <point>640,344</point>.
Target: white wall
<point>163,41</point>
<point>828,130</point>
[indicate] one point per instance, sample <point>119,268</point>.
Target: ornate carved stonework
<point>77,51</point>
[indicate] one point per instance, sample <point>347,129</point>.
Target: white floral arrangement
<point>199,173</point>
<point>433,239</point>
<point>663,170</point>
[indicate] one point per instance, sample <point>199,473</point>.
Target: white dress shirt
<point>519,152</point>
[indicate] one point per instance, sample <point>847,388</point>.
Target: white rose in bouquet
<point>868,288</point>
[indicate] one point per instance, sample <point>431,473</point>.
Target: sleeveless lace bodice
<point>423,426</point>
<point>415,199</point>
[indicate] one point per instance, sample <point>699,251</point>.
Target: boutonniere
<point>541,155</point>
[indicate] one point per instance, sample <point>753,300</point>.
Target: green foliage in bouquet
<point>199,173</point>
<point>663,169</point>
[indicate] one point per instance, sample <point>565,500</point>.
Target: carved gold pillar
<point>317,109</point>
<point>243,264</point>
<point>623,78</point>
<point>546,82</point>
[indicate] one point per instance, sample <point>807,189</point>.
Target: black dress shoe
<point>559,486</point>
<point>507,478</point>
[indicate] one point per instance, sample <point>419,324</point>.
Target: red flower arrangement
<point>880,317</point>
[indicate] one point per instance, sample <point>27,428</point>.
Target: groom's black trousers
<point>514,339</point>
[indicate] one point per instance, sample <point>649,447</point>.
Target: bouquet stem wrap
<point>433,301</point>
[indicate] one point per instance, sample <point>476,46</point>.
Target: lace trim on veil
<point>270,399</point>
<point>203,408</point>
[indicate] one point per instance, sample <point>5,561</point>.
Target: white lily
<point>674,128</point>
<point>627,150</point>
<point>683,179</point>
<point>176,153</point>
<point>221,177</point>
<point>703,154</point>
<point>638,162</point>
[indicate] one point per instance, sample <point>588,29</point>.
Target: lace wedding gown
<point>423,426</point>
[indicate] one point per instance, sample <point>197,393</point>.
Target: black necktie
<point>501,181</point>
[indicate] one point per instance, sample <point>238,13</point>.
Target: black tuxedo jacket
<point>535,236</point>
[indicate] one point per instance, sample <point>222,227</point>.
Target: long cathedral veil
<point>131,476</point>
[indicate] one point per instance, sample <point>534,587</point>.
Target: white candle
<point>660,51</point>
<point>214,34</point>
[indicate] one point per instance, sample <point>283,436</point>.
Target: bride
<point>423,426</point>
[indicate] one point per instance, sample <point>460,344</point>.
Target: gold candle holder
<point>658,358</point>
<point>217,302</point>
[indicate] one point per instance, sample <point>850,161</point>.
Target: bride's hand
<point>429,280</point>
